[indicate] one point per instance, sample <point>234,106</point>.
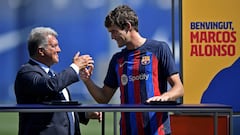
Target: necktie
<point>72,126</point>
<point>70,114</point>
<point>70,117</point>
<point>50,73</point>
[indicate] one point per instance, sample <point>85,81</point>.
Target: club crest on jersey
<point>145,60</point>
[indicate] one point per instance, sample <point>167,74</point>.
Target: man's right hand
<point>83,61</point>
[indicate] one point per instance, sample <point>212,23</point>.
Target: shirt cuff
<point>75,68</point>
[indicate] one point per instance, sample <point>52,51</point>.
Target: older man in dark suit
<point>36,83</point>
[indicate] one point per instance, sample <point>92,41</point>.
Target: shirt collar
<point>44,67</point>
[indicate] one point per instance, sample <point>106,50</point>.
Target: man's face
<point>120,36</point>
<point>51,51</point>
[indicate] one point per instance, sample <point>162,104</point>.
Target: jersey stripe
<point>131,94</point>
<point>158,115</point>
<point>155,76</point>
<point>137,96</point>
<point>122,122</point>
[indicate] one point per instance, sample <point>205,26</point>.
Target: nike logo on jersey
<point>121,65</point>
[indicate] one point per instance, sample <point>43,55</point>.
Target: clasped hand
<point>84,62</point>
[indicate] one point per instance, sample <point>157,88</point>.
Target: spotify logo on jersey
<point>132,78</point>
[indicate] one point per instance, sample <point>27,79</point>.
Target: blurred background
<point>80,25</point>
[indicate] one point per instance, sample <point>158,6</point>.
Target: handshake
<point>85,64</point>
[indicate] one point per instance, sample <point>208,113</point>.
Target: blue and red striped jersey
<point>142,73</point>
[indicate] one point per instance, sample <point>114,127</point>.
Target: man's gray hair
<point>38,38</point>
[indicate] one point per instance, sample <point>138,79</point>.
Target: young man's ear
<point>128,26</point>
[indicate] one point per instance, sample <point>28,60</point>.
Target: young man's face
<point>120,36</point>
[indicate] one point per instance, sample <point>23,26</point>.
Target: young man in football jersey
<point>141,70</point>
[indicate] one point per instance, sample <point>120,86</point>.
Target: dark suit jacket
<point>34,86</point>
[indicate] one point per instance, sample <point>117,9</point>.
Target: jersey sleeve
<point>111,77</point>
<point>167,61</point>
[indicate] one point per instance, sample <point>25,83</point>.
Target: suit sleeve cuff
<point>82,118</point>
<point>75,68</point>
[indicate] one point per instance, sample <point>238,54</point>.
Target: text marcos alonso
<point>212,39</point>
